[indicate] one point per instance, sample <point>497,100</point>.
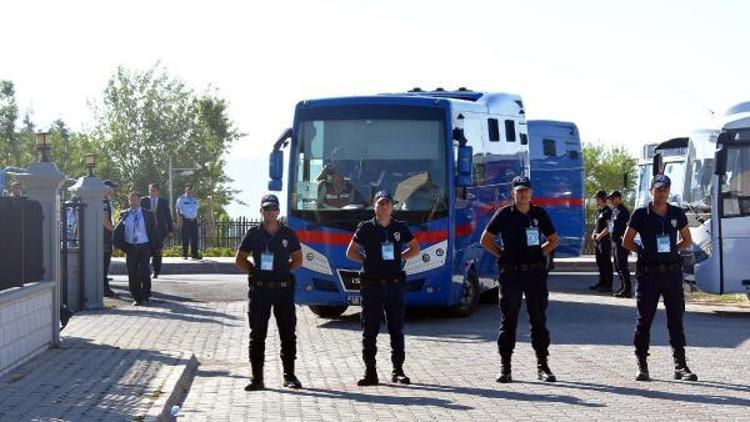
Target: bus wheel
<point>328,311</point>
<point>469,299</point>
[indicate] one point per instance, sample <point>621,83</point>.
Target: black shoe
<point>596,286</point>
<point>399,377</point>
<point>504,376</point>
<point>184,257</point>
<point>197,257</point>
<point>642,369</point>
<point>156,275</point>
<point>291,381</point>
<point>684,373</point>
<point>110,293</point>
<point>370,378</point>
<point>543,373</point>
<point>625,293</point>
<point>255,385</point>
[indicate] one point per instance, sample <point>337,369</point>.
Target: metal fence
<point>218,233</point>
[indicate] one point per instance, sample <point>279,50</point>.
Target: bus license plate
<point>354,300</point>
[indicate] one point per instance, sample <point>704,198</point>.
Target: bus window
<point>550,149</point>
<point>473,132</point>
<point>493,128</point>
<point>510,131</point>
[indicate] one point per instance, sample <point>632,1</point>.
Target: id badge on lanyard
<point>532,236</point>
<point>611,227</point>
<point>663,244</point>
<point>266,261</point>
<point>388,251</point>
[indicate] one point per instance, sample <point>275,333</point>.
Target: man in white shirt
<point>134,234</point>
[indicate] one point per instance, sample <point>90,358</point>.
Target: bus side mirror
<point>275,170</point>
<point>658,164</point>
<point>721,160</point>
<point>464,165</point>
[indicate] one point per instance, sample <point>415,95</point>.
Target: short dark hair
<point>154,185</point>
<point>134,193</point>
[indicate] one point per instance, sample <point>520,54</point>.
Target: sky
<point>627,73</point>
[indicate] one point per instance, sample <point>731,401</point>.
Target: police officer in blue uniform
<point>522,271</point>
<point>603,243</point>
<point>382,245</point>
<point>107,204</point>
<point>617,226</point>
<point>187,209</point>
<point>659,273</point>
<point>268,254</point>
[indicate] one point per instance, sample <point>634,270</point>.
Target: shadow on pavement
<point>395,400</point>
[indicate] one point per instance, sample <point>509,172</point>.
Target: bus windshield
<point>698,192</point>
<point>676,172</point>
<point>736,182</point>
<point>343,158</point>
<point>644,183</point>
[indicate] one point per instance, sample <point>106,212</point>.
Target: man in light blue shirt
<point>133,235</point>
<point>187,210</point>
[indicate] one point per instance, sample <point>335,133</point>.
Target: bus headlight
<point>315,261</point>
<point>431,257</point>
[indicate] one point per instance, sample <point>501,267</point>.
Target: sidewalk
<point>133,363</point>
<point>225,265</point>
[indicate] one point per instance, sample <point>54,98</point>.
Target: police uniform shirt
<point>603,216</point>
<point>512,226</point>
<point>651,226</point>
<point>187,206</point>
<point>107,217</point>
<point>620,217</point>
<point>258,241</point>
<point>372,237</point>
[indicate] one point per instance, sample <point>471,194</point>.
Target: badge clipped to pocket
<point>266,261</point>
<point>388,251</point>
<point>663,244</point>
<point>532,236</point>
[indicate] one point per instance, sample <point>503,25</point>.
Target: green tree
<point>608,168</point>
<point>147,117</point>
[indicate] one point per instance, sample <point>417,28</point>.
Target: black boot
<point>398,376</point>
<point>256,383</point>
<point>543,373</point>
<point>606,286</point>
<point>598,284</point>
<point>504,375</point>
<point>627,289</point>
<point>290,380</point>
<point>371,376</point>
<point>642,367</point>
<point>681,370</point>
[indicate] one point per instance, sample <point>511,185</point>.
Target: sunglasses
<point>271,208</point>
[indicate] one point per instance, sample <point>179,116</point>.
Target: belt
<point>381,280</point>
<point>524,267</point>
<point>139,245</point>
<point>659,268</point>
<point>272,284</point>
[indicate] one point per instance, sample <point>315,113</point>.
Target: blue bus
<point>447,156</point>
<point>557,176</point>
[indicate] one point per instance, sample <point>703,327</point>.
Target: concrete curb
<point>174,388</point>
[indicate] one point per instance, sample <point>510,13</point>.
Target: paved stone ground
<point>452,362</point>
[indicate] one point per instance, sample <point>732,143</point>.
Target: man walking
<point>133,235</point>
<point>163,222</point>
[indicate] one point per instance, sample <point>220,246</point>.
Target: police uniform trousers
<point>621,262</point>
<point>107,257</point>
<point>604,260</point>
<point>189,234</point>
<point>139,276</point>
<point>648,289</point>
<point>263,298</point>
<point>379,298</point>
<point>513,286</point>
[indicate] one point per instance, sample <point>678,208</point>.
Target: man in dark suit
<point>134,235</point>
<point>163,221</point>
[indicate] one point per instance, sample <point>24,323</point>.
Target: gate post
<point>90,190</point>
<point>42,182</point>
